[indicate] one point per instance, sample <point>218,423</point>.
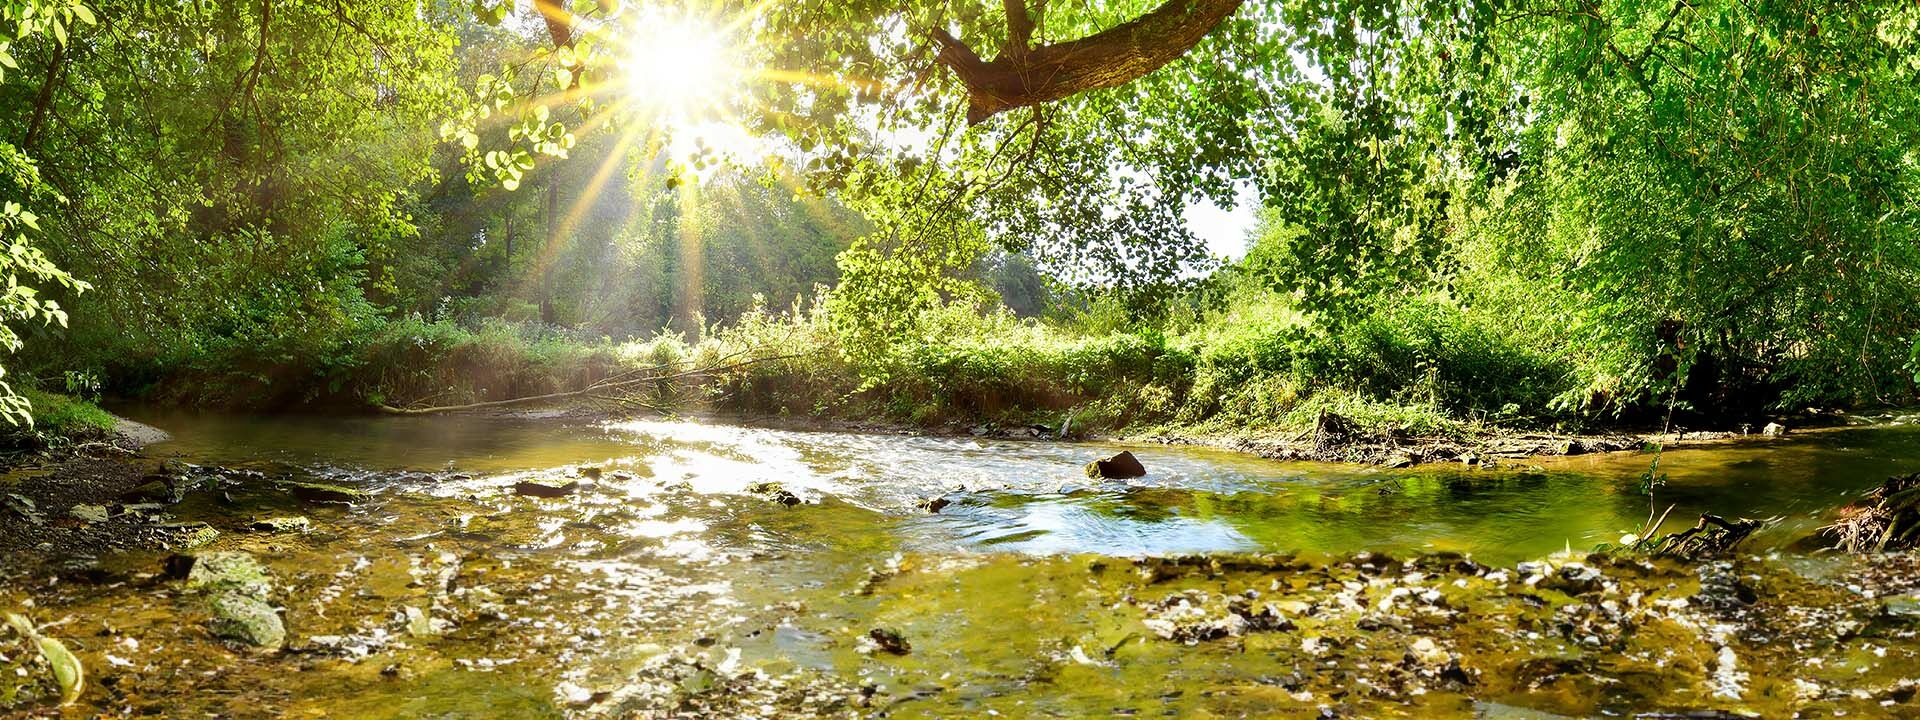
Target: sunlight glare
<point>680,69</point>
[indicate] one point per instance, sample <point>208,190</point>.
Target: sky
<point>1224,229</point>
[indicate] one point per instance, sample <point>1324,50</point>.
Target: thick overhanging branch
<point>1023,76</point>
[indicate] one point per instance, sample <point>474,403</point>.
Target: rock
<point>773,491</point>
<point>1903,606</point>
<point>324,493</point>
<point>1119,467</point>
<point>1773,429</point>
<point>934,504</point>
<point>1396,462</point>
<point>89,513</point>
<point>152,491</point>
<point>187,535</point>
<point>591,472</point>
<point>1426,652</point>
<point>534,489</point>
<point>247,620</point>
<point>1574,579</point>
<point>889,640</point>
<point>230,573</point>
<point>24,506</point>
<point>292,523</point>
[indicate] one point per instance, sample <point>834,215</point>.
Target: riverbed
<point>703,569</point>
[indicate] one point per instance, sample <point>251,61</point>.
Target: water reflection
<point>683,488</point>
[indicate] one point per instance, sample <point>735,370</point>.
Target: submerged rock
<point>773,491</point>
<point>227,572</point>
<point>247,620</point>
<point>934,504</point>
<point>324,493</point>
<point>185,536</point>
<point>534,489</point>
<point>889,640</point>
<point>291,523</point>
<point>1121,466</point>
<point>237,587</point>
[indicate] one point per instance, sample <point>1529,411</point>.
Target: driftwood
<point>613,388</point>
<point>1885,518</point>
<point>1713,535</point>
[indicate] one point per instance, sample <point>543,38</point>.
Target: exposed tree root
<point>1885,518</point>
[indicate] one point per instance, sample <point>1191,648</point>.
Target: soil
<point>39,490</point>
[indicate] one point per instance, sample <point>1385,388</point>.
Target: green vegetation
<point>61,418</point>
<point>1494,214</point>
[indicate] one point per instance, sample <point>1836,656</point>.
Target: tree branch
<point>1022,77</point>
<point>559,21</point>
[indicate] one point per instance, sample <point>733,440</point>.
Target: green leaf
<point>67,670</point>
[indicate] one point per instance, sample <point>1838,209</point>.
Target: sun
<point>680,69</point>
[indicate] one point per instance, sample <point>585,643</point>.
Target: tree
<point>24,262</point>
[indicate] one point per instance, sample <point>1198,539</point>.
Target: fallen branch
<point>598,387</point>
<point>1711,536</point>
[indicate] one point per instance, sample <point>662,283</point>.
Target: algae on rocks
<point>237,587</point>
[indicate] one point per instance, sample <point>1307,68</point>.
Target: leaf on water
<point>67,671</point>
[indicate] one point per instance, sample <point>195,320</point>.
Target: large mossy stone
<point>231,573</point>
<point>246,620</point>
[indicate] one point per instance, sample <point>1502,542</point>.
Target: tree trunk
<point>1023,76</point>
<point>43,102</point>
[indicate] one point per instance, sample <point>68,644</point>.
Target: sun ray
<point>585,199</point>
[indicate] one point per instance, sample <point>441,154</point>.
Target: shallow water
<point>1031,497</point>
<point>649,590</point>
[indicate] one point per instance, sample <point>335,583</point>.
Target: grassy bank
<point>1415,369</point>
<point>59,420</point>
<point>1419,367</point>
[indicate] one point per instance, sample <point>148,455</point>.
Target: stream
<point>670,582</point>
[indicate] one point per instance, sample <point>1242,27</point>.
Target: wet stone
<point>889,640</point>
<point>246,620</point>
<point>534,489</point>
<point>291,523</point>
<point>1574,579</point>
<point>1121,466</point>
<point>228,572</point>
<point>185,536</point>
<point>324,493</point>
<point>773,491</point>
